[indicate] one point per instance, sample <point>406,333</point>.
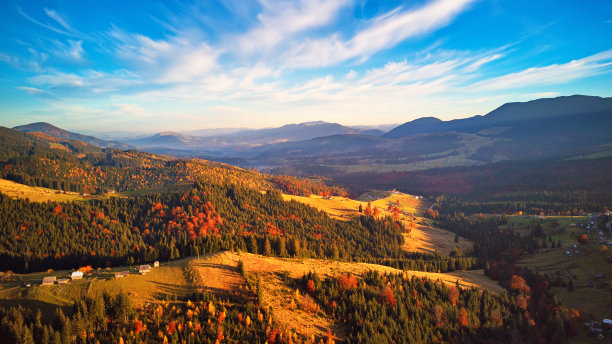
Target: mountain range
<point>561,127</point>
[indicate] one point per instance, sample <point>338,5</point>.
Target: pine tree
<point>267,250</point>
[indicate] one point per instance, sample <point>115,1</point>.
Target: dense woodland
<point>228,208</point>
<point>400,309</point>
<point>201,318</point>
<point>208,218</point>
<point>553,187</point>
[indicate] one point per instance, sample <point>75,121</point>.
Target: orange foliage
<point>310,286</point>
<point>137,326</point>
<point>518,283</point>
<point>463,317</point>
<point>387,297</point>
<point>453,294</point>
<point>348,281</point>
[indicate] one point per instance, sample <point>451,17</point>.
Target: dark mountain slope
<point>509,114</point>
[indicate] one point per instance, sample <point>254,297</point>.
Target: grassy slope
<point>36,194</point>
<point>422,238</point>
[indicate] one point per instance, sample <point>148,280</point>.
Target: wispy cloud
<point>550,75</point>
<point>382,33</point>
<point>58,18</point>
<point>281,20</point>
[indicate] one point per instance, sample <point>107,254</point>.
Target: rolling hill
<point>51,130</point>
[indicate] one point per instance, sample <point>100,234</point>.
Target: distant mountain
<point>166,139</point>
<point>246,139</point>
<point>51,130</point>
<point>212,131</point>
<point>510,113</point>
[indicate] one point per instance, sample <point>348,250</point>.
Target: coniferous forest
<point>224,208</point>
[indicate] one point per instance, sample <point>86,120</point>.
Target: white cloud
<point>58,79</point>
<point>549,75</point>
<point>281,20</point>
<point>383,33</point>
<point>477,64</point>
<point>58,18</point>
<point>31,90</point>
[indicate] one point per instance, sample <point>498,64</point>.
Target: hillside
<point>53,131</point>
<point>510,114</point>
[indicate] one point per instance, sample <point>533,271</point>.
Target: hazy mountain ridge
<point>534,110</point>
<point>544,128</point>
<point>51,130</point>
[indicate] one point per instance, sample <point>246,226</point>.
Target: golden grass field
<point>422,238</point>
<point>36,194</point>
<point>219,273</point>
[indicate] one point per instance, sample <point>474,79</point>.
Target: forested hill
<point>38,159</point>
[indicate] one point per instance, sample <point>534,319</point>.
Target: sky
<point>177,65</point>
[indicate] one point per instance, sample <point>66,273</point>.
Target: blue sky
<point>155,66</point>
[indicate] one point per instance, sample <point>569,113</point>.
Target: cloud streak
<point>382,33</point>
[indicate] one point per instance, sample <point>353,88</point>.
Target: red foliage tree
<point>462,319</point>
<point>348,281</point>
<point>583,239</point>
<point>518,283</point>
<point>387,297</point>
<point>310,287</point>
<point>57,209</point>
<point>453,294</point>
<point>137,326</point>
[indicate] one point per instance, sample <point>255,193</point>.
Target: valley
<point>430,236</point>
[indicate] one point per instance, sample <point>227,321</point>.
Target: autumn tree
<point>387,297</point>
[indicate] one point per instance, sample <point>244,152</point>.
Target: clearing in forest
<point>423,237</point>
<point>219,273</point>
<point>37,194</point>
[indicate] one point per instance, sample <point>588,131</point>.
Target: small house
<point>62,281</point>
<point>143,269</point>
<point>76,275</point>
<point>121,274</point>
<point>49,280</point>
<point>156,264</point>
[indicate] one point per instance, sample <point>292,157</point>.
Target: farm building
<point>121,274</point>
<point>156,264</point>
<point>49,280</point>
<point>76,275</point>
<point>143,269</point>
<point>62,281</point>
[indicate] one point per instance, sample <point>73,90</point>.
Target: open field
<point>165,282</point>
<point>217,273</point>
<point>422,237</point>
<point>591,296</point>
<point>37,194</point>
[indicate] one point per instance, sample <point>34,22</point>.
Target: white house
<point>156,264</point>
<point>143,269</point>
<point>76,275</point>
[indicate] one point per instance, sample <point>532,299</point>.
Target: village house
<point>76,275</point>
<point>121,274</point>
<point>156,264</point>
<point>143,269</point>
<point>62,281</point>
<point>49,280</point>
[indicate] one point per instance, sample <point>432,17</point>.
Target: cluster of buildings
<point>76,275</point>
